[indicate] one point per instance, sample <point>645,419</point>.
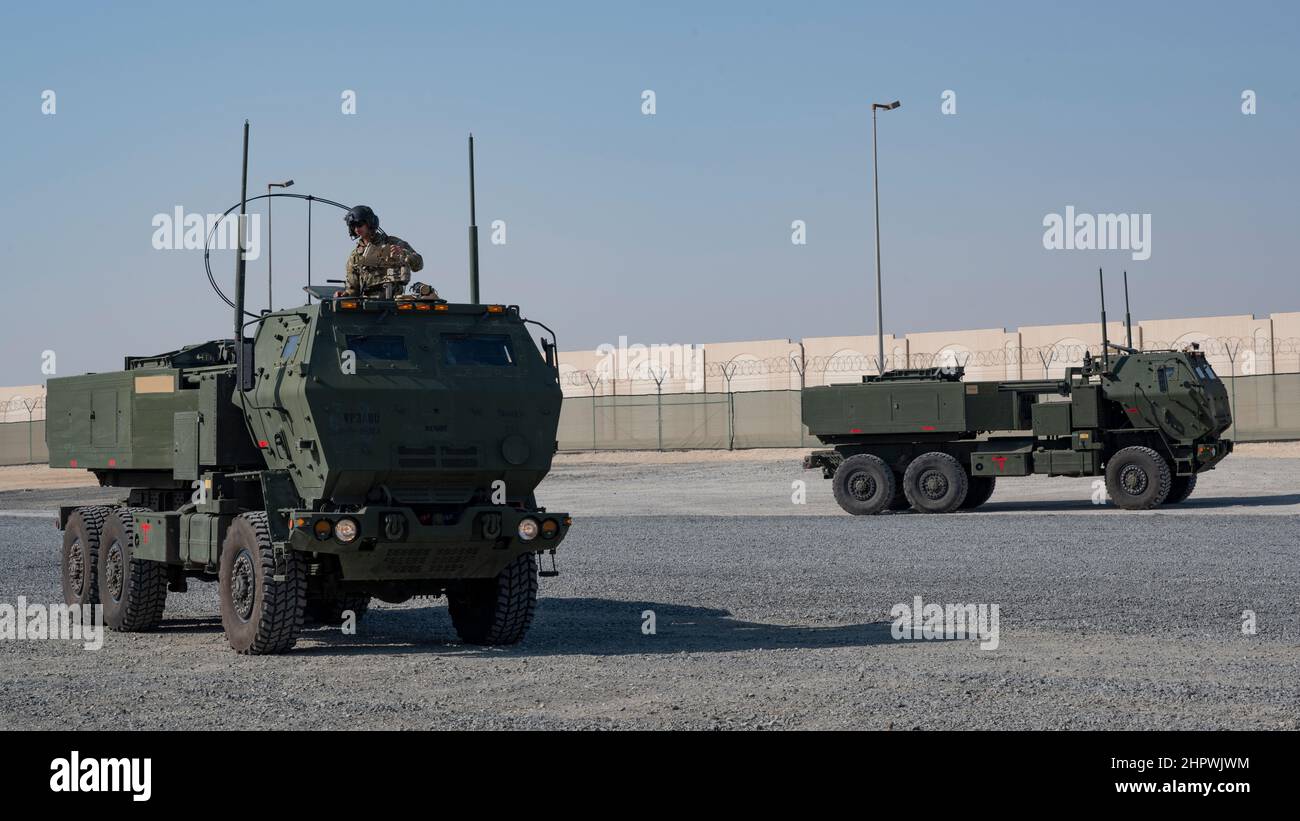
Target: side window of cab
<point>1163,375</point>
<point>290,349</point>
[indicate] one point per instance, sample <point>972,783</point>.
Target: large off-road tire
<point>133,591</point>
<point>935,482</point>
<point>262,609</point>
<point>1180,487</point>
<point>497,610</point>
<point>331,609</point>
<point>863,485</point>
<point>979,490</point>
<point>1138,478</point>
<point>81,555</point>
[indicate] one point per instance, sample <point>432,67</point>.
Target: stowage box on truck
<point>162,418</point>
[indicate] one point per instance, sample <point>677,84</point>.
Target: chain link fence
<point>1230,356</point>
<point>1265,408</point>
<point>22,431</point>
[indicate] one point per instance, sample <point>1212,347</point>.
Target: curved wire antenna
<point>207,240</point>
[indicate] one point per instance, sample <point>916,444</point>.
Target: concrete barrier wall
<point>1242,345</point>
<point>1265,408</point>
<point>22,443</point>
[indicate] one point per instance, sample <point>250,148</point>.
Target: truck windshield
<point>478,349</point>
<point>378,348</point>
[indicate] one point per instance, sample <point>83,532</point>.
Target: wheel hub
<point>934,485</point>
<point>862,487</point>
<point>116,571</point>
<point>1133,480</point>
<point>242,586</point>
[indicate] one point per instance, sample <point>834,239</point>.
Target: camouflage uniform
<point>372,265</point>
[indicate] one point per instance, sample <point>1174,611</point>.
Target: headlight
<point>345,530</point>
<point>528,529</point>
<point>549,528</point>
<point>323,529</point>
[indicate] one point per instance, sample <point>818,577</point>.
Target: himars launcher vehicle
<point>352,448</point>
<point>1149,421</point>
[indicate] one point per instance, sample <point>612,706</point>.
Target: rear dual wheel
<point>81,555</point>
<point>864,485</point>
<point>935,482</point>
<point>133,591</point>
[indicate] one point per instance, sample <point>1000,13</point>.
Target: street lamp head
<point>285,184</point>
<point>886,106</point>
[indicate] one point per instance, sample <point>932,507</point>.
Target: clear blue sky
<point>666,228</point>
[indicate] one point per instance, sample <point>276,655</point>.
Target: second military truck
<point>1149,421</point>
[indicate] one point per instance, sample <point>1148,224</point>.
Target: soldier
<point>379,259</point>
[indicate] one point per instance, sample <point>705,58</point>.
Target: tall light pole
<point>875,165</point>
<point>270,304</point>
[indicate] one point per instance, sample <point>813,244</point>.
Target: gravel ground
<point>768,614</point>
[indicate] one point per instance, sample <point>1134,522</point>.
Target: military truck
<point>1148,421</point>
<point>352,448</point>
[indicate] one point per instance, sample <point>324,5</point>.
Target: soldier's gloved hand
<point>397,255</point>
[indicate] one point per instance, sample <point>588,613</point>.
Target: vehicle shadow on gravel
<point>1205,503</point>
<point>602,627</point>
<point>190,625</point>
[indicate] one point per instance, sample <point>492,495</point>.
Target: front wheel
<point>1138,478</point>
<point>497,610</point>
<point>263,592</point>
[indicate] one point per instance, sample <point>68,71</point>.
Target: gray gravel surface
<point>768,615</point>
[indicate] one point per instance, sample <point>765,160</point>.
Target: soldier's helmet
<point>359,215</point>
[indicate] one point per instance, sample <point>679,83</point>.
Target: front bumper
<point>1211,453</point>
<point>392,544</point>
